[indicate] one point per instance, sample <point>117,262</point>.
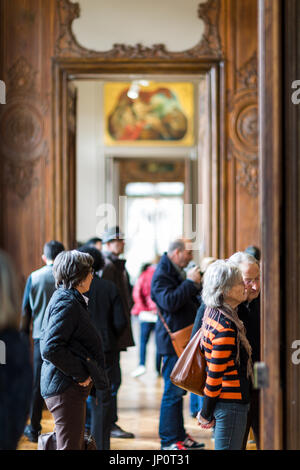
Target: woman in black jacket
<point>108,316</point>
<point>70,346</point>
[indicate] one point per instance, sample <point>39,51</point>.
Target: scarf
<point>231,314</point>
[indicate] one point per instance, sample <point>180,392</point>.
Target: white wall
<point>103,23</point>
<point>90,161</point>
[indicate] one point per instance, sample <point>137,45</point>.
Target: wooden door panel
<point>271,216</point>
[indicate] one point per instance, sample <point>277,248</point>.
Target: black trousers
<point>116,378</point>
<point>253,420</point>
<point>37,400</point>
<point>104,404</point>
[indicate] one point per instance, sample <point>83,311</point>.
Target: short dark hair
<point>144,267</point>
<point>93,241</point>
<point>71,267</point>
<point>52,249</point>
<point>95,254</point>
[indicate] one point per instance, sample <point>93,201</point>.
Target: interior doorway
<point>153,192</point>
<point>104,169</point>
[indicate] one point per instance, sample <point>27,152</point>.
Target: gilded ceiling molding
<point>209,46</point>
<point>243,126</point>
<point>22,129</point>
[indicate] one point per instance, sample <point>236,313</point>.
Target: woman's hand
<point>86,383</point>
<point>204,423</point>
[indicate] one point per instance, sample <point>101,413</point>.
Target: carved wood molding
<point>247,75</point>
<point>20,177</point>
<point>209,46</point>
<point>243,126</point>
<point>22,128</point>
<point>247,177</point>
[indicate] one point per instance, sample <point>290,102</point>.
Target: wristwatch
<point>202,420</point>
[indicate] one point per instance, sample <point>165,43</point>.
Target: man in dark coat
<point>39,288</point>
<point>114,270</point>
<point>175,294</point>
<point>107,315</point>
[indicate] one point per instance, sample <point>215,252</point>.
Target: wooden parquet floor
<point>138,407</point>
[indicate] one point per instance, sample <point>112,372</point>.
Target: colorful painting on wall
<point>149,113</point>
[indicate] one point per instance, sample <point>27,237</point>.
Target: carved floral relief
<point>243,126</point>
<point>22,128</point>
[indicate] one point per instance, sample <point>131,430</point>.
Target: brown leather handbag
<point>179,338</point>
<point>189,371</point>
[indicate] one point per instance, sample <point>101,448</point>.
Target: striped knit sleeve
<point>217,352</point>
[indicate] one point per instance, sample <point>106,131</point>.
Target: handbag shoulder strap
<point>163,321</point>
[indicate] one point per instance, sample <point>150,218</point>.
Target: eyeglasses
<point>251,281</point>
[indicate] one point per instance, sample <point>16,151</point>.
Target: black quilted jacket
<point>68,335</point>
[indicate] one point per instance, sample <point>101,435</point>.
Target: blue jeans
<point>145,331</point>
<point>171,426</point>
<point>231,421</point>
<point>196,402</point>
<point>88,414</point>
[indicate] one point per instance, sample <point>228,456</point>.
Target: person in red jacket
<point>146,309</point>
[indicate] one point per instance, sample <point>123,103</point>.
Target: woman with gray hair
<point>228,355</point>
<point>71,349</point>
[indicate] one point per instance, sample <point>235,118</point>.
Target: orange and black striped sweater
<point>226,381</point>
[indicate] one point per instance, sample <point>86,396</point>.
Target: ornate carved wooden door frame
<point>72,60</point>
<point>279,185</point>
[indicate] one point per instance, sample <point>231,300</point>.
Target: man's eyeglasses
<point>251,281</point>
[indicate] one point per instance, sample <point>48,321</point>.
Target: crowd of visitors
<point>77,312</point>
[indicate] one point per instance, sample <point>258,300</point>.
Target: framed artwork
<point>148,113</point>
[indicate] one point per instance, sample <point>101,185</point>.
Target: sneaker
<point>119,433</point>
<point>190,443</point>
<point>31,436</point>
<point>139,371</point>
<point>175,446</point>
